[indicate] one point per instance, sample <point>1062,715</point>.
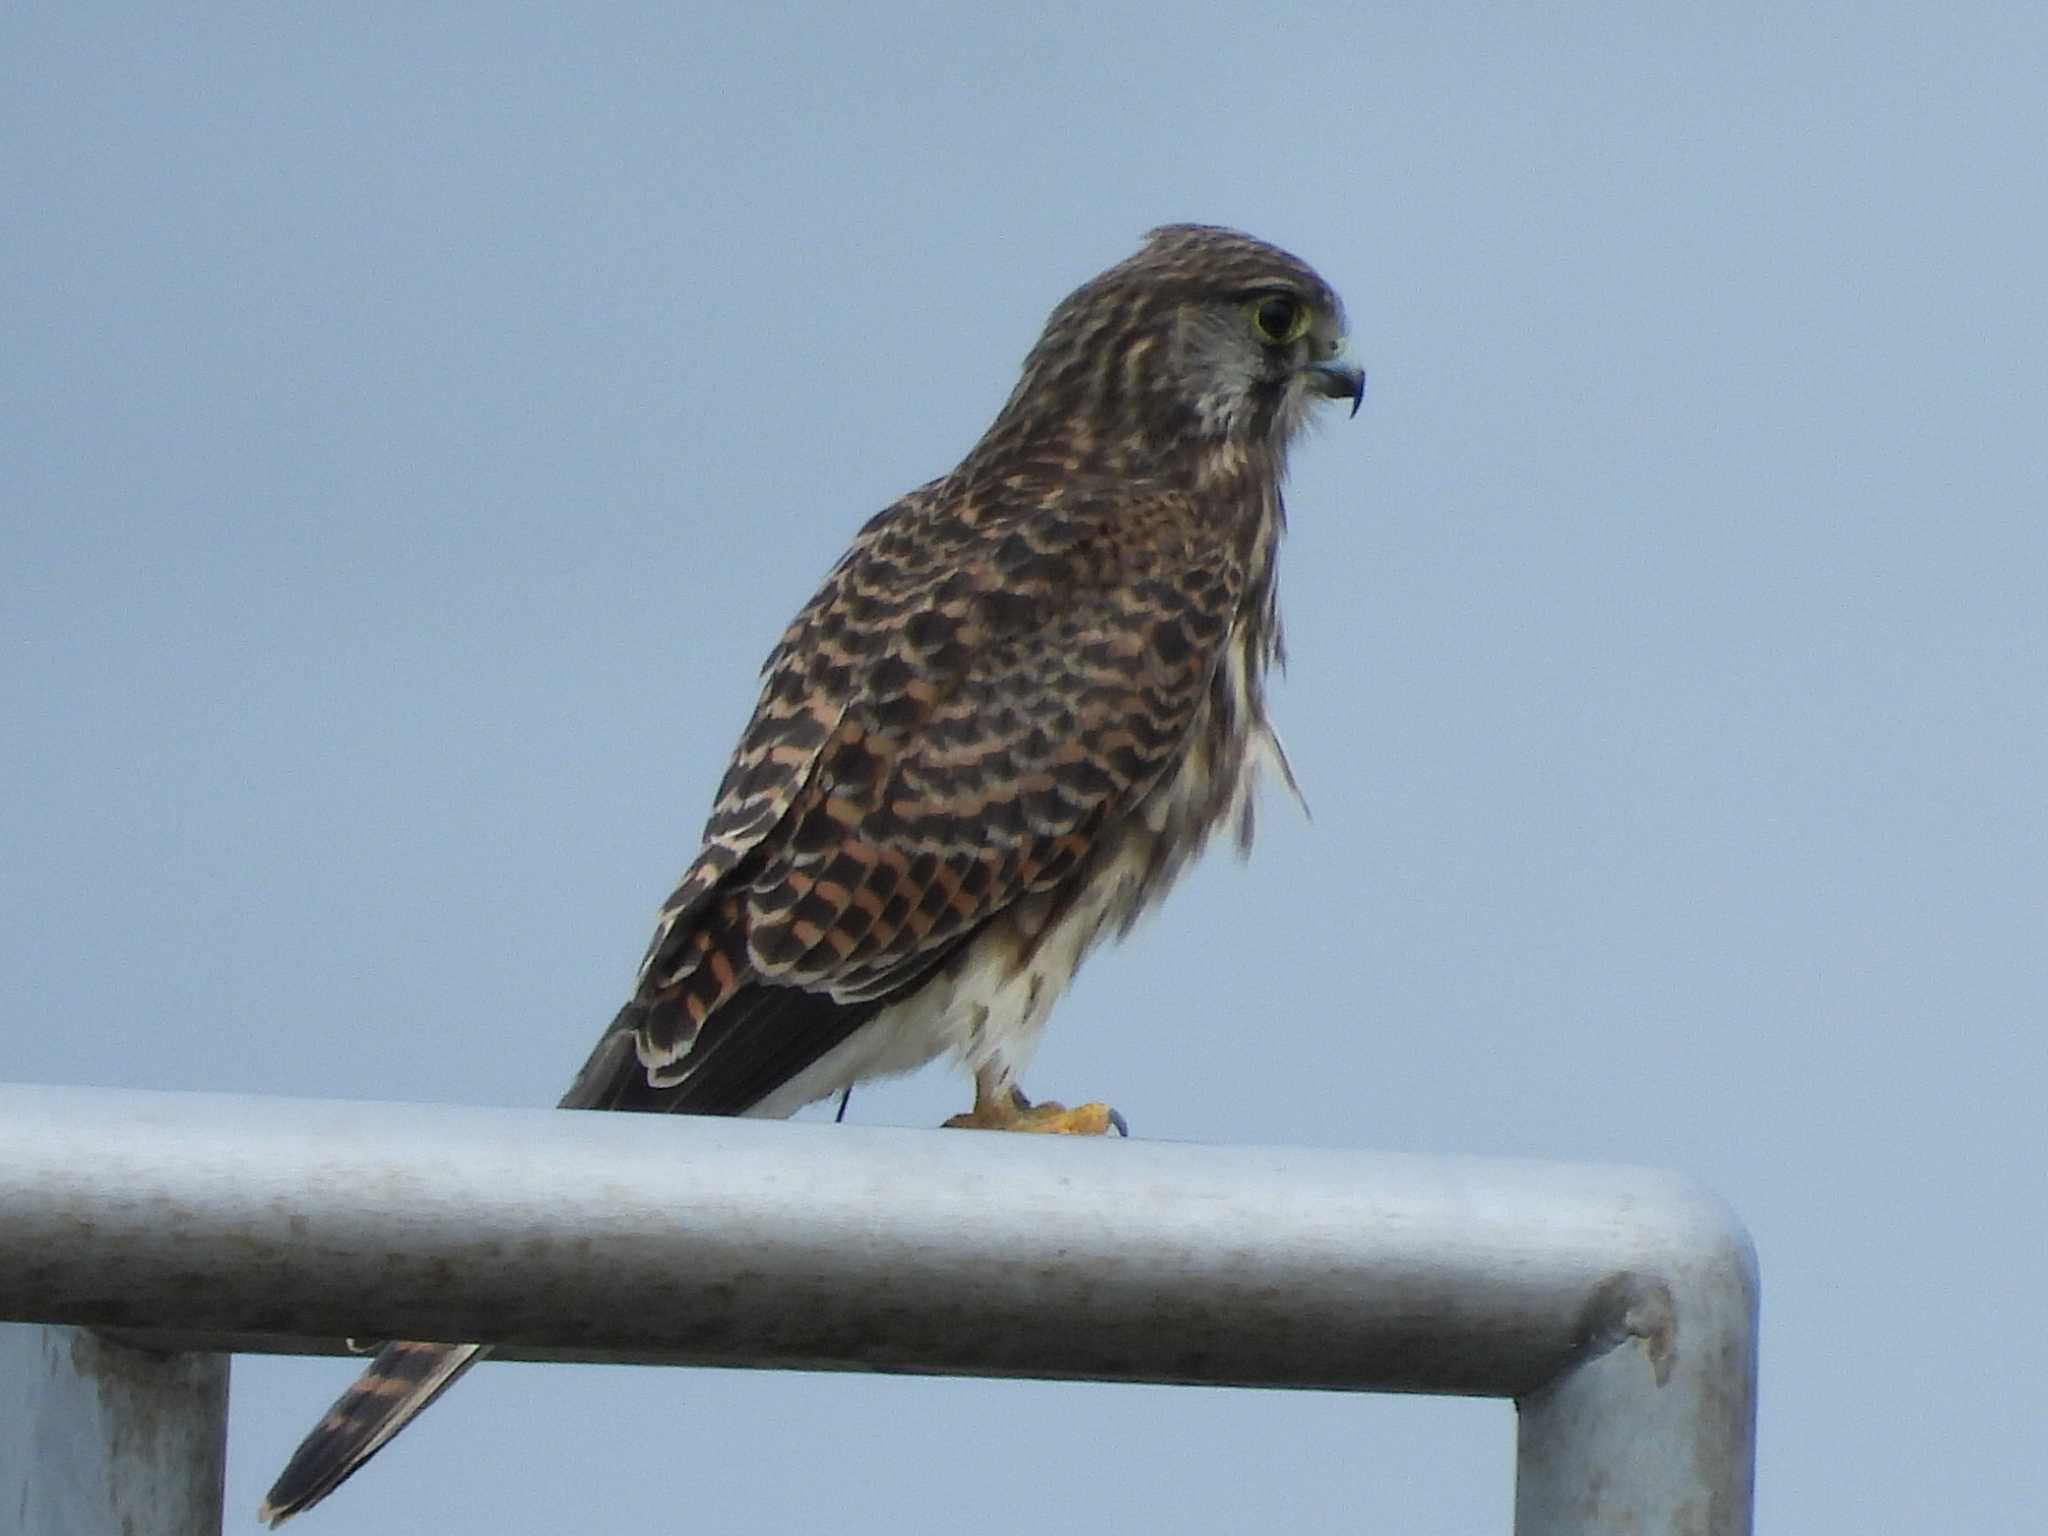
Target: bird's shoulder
<point>1010,667</point>
<point>963,567</point>
<point>1015,656</point>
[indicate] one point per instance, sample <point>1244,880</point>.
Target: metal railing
<point>1616,1306</point>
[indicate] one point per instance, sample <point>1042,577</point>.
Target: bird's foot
<point>998,1109</point>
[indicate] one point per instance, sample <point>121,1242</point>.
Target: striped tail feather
<point>399,1383</point>
<point>757,1040</point>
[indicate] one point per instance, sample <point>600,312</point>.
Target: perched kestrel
<point>1015,710</point>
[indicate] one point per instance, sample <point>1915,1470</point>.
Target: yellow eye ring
<point>1279,319</point>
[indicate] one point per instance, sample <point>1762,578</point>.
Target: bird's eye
<point>1280,319</point>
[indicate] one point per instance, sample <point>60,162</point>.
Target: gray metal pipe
<point>739,1243</point>
<point>96,1437</point>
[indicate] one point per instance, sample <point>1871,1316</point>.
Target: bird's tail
<point>759,1039</point>
<point>401,1381</point>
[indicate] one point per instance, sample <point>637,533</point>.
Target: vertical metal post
<point>1657,1437</point>
<point>97,1437</point>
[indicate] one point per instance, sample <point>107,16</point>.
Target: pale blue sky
<point>417,428</point>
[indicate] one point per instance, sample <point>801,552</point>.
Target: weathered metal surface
<point>1617,1305</point>
<point>100,1439</point>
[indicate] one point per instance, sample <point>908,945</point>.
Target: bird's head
<point>1204,338</point>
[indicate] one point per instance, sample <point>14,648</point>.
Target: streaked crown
<point>1204,338</point>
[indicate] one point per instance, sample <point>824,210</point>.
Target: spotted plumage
<point>1022,700</point>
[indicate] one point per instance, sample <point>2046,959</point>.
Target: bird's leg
<point>1000,1106</point>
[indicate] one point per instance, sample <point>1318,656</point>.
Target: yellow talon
<point>998,1107</point>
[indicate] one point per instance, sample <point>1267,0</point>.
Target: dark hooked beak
<point>1338,381</point>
